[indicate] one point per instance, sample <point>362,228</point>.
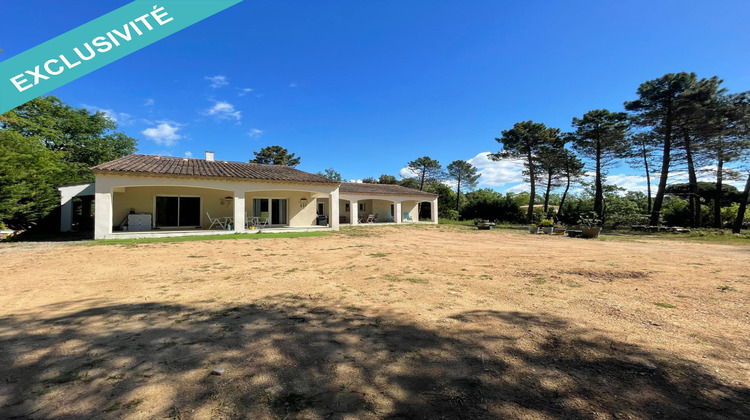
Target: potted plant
<point>590,226</point>
<point>547,225</point>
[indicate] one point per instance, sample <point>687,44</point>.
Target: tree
<point>330,173</point>
<point>409,183</point>
<point>464,173</point>
<point>487,204</point>
<point>551,158</point>
<point>731,142</point>
<point>425,169</point>
<point>640,154</point>
<point>655,109</point>
<point>737,226</point>
<point>275,155</point>
<point>571,171</point>
<point>46,143</point>
<point>696,122</point>
<point>600,137</point>
<point>82,139</point>
<point>387,179</point>
<point>445,195</point>
<point>524,141</point>
<point>369,180</point>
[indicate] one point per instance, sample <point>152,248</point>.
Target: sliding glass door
<point>274,209</point>
<point>177,212</point>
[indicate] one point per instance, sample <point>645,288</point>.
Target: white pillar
<point>354,212</point>
<point>103,206</point>
<point>66,213</point>
<point>397,216</point>
<point>239,211</point>
<point>334,219</point>
<point>434,211</point>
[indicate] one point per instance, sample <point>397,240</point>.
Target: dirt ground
<point>377,322</point>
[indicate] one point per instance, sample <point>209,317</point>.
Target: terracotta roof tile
<point>163,165</point>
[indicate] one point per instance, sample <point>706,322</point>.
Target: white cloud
<point>217,81</point>
<point>164,134</point>
<point>120,118</point>
<point>188,154</point>
<point>148,102</point>
<point>407,173</point>
<point>244,91</point>
<point>629,182</point>
<point>255,133</point>
<point>358,181</point>
<point>497,173</point>
<point>292,85</point>
<point>523,187</point>
<point>225,111</point>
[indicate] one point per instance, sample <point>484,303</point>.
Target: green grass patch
<point>695,235</point>
<point>398,279</point>
<point>726,288</point>
<point>209,238</point>
<point>539,280</point>
<point>664,305</point>
<point>379,254</point>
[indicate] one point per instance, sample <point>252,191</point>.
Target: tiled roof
<point>381,189</point>
<point>163,165</point>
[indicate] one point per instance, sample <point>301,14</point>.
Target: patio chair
<point>407,218</point>
<point>215,222</point>
<point>390,217</point>
<point>375,218</point>
<point>265,221</point>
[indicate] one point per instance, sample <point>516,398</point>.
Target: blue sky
<point>364,87</point>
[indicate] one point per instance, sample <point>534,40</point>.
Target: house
<point>146,195</point>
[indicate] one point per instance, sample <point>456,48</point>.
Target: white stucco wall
<point>117,194</point>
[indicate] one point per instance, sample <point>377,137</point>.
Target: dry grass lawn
<point>379,322</point>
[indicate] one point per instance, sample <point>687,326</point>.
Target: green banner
<point>95,44</point>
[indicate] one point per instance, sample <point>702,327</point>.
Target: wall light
<point>302,202</point>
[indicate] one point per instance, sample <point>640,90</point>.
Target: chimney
<point>209,156</point>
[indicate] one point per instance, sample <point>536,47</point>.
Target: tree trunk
<point>530,210</point>
<point>562,200</point>
<point>598,194</point>
<point>458,193</point>
<point>659,199</point>
<point>546,193</point>
<point>695,202</point>
<point>648,176</point>
<point>717,198</point>
<point>743,207</point>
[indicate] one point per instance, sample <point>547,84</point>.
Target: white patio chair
<point>265,221</point>
<point>215,222</point>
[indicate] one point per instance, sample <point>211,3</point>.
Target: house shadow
<point>288,357</point>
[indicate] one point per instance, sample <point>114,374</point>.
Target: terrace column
<point>334,219</point>
<point>239,211</point>
<point>353,212</point>
<point>397,216</point>
<point>434,211</point>
<point>66,213</point>
<point>103,206</point>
